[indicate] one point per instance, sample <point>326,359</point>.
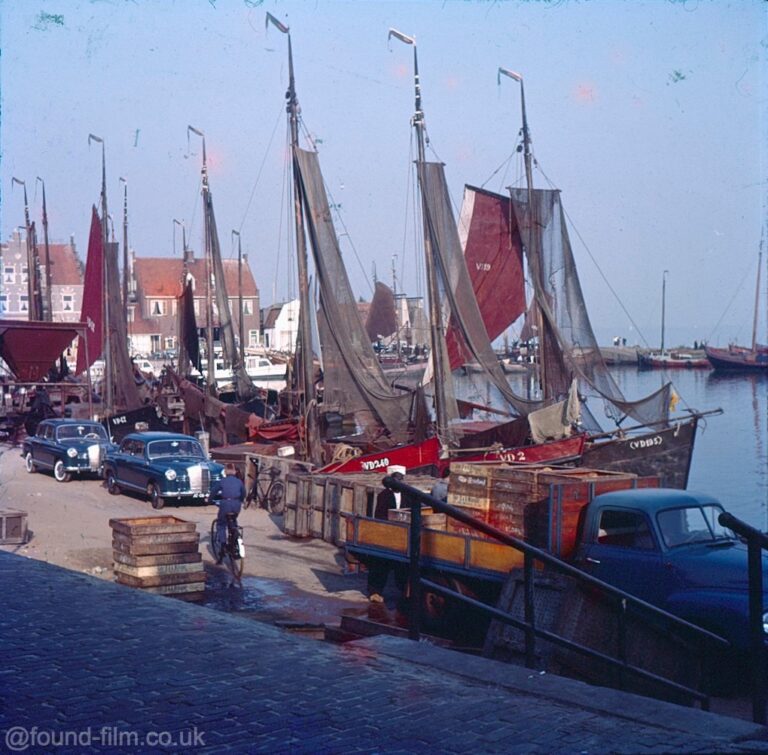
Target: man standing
<point>228,494</point>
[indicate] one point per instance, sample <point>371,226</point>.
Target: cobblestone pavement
<point>91,665</point>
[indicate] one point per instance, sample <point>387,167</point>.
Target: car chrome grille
<point>199,479</point>
<point>94,456</point>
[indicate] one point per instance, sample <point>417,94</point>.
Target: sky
<point>649,115</point>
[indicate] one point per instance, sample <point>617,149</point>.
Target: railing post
<point>530,631</point>
<point>414,571</point>
<point>757,640</point>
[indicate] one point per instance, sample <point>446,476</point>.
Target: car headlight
<point>765,622</point>
<point>72,453</point>
<point>170,474</point>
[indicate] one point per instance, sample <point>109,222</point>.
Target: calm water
<point>730,459</point>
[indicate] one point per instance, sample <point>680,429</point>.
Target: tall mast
<point>48,301</point>
<point>34,302</point>
<point>211,371</point>
<point>663,305</point>
<point>241,327</point>
<point>532,245</point>
<point>125,248</point>
<point>435,315</point>
<point>109,394</point>
<point>757,300</point>
<point>305,325</point>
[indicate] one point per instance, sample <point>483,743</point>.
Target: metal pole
<point>414,570</point>
<point>663,305</point>
<point>125,249</point>
<point>757,634</point>
<point>241,328</point>
<point>48,305</point>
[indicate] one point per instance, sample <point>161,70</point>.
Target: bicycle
<point>270,496</point>
<point>233,550</point>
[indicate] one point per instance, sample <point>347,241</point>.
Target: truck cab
<point>666,547</point>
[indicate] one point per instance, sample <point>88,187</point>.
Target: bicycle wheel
<point>235,560</point>
<point>276,497</point>
<point>215,547</point>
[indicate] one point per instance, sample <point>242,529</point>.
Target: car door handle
<point>592,560</point>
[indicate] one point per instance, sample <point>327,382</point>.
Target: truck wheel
<point>60,473</point>
<point>29,463</point>
<point>154,495</point>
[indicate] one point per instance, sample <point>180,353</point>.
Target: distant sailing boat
<point>742,358</point>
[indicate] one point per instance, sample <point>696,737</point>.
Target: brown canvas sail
<point>92,311</point>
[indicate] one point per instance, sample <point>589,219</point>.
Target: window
<point>67,302</point>
<point>626,529</point>
<point>9,275</point>
<point>692,525</point>
<point>157,307</point>
<point>197,307</point>
<point>3,303</point>
<point>24,301</point>
<point>24,274</point>
<point>247,307</point>
<point>169,342</point>
<point>253,337</point>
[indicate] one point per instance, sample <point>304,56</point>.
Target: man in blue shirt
<point>228,494</point>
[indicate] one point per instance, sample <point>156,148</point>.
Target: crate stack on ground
<point>159,554</point>
<point>534,503</point>
<point>13,527</point>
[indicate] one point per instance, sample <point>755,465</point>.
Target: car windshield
<point>693,524</point>
<point>181,447</point>
<point>90,431</point>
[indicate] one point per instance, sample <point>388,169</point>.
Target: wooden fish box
<point>13,527</point>
<point>429,518</point>
<point>159,553</point>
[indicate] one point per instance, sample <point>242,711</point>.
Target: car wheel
<point>29,463</point>
<point>60,473</point>
<point>154,495</point>
<point>112,487</point>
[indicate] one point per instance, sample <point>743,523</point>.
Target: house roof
<point>65,267</point>
<point>161,276</point>
<point>270,314</point>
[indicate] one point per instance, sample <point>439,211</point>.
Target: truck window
<point>627,529</point>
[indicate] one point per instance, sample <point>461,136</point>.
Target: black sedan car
<point>66,446</point>
<point>161,465</point>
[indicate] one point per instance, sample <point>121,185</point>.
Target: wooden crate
<point>13,527</point>
<point>429,518</point>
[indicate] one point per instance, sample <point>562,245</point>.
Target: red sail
<point>494,256</point>
<point>92,313</point>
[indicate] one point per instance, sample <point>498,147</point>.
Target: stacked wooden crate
<point>535,503</point>
<point>158,554</point>
<point>13,527</point>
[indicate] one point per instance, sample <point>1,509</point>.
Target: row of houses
<point>156,284</point>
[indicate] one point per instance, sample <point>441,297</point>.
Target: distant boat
<point>743,358</point>
<point>672,360</point>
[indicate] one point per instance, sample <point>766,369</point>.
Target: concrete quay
<point>90,665</point>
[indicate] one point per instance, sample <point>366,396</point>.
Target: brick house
<point>66,279</point>
<point>152,324</point>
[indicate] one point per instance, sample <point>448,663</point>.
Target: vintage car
<point>161,465</point>
<point>67,446</point>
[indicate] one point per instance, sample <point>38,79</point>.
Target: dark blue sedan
<point>67,447</point>
<point>161,465</point>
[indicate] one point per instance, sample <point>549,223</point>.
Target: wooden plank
<point>157,569</point>
<point>125,545</point>
<point>153,525</point>
<point>391,535</point>
<point>171,537</point>
<point>445,547</point>
<point>486,554</point>
<point>189,589</point>
<point>160,580</point>
<point>156,559</point>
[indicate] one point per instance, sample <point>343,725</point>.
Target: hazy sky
<point>649,116</point>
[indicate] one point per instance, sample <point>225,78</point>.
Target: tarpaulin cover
<point>30,349</point>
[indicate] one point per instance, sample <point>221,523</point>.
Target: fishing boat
<point>530,223</point>
<point>752,358</point>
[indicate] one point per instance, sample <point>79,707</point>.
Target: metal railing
<point>531,554</point>
<point>756,542</point>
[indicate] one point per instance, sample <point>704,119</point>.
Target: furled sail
<point>382,319</point>
<point>92,311</point>
<point>189,343</point>
<point>567,344</point>
<point>353,379</point>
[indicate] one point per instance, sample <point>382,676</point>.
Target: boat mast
<point>436,331</point>
<point>307,382</point>
<point>33,278</point>
<point>48,301</point>
<point>211,371</point>
<point>757,301</point>
<point>109,393</point>
<point>533,251</point>
<point>125,248</point>
<point>663,306</point>
<point>241,327</point>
